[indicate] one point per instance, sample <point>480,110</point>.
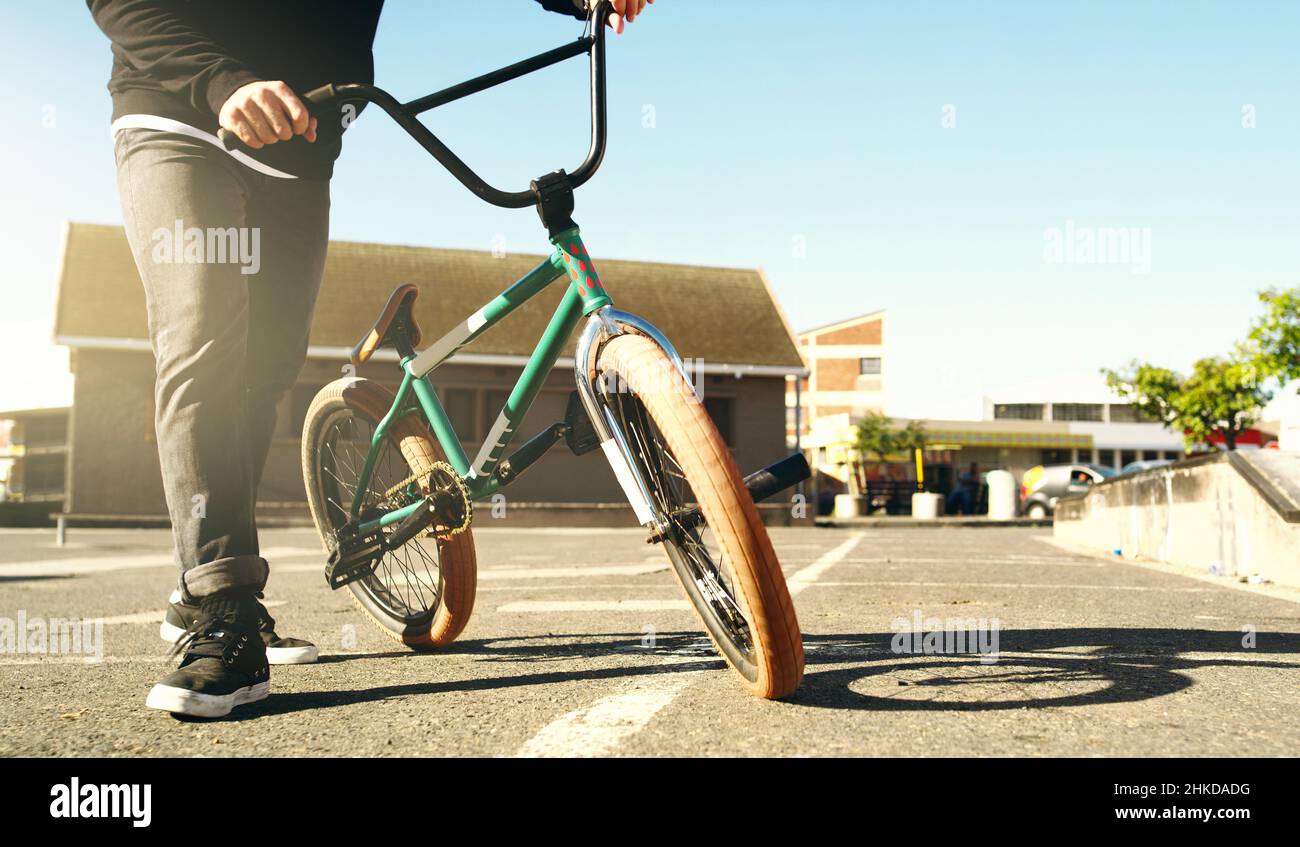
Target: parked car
<point>1144,465</point>
<point>1043,485</point>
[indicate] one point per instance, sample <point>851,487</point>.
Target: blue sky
<point>772,125</point>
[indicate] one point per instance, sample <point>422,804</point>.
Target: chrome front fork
<point>602,325</point>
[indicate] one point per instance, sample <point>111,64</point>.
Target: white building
<point>1115,434</point>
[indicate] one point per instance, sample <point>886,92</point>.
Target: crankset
<point>445,509</point>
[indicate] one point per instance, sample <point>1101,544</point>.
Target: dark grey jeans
<point>231,262</point>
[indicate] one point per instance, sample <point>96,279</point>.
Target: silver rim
<point>697,554</point>
<point>407,584</point>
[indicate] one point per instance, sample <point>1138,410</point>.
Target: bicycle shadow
<point>862,671</point>
<point>1034,669</point>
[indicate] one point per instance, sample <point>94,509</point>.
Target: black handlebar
<point>404,114</point>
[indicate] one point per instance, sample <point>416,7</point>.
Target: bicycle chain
<point>452,481</point>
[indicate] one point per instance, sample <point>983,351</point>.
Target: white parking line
<point>155,616</point>
<point>103,564</point>
<point>801,579</point>
<point>1047,585</point>
<point>967,562</point>
<point>655,565</point>
<point>596,606</point>
<point>506,574</point>
<point>598,729</point>
<point>572,572</point>
<point>577,586</point>
<point>84,660</point>
<point>489,529</point>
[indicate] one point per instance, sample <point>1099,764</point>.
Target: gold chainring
<point>440,477</point>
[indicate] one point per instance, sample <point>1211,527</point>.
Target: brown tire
<point>409,449</point>
<point>773,665</point>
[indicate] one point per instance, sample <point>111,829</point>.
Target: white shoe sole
<point>274,655</point>
<point>182,701</point>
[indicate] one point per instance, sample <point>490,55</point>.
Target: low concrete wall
<point>1232,514</point>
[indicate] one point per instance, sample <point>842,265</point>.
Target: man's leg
<point>180,198</point>
<point>292,217</point>
<point>198,325</point>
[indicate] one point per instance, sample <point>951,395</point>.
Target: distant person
<point>961,500</point>
<point>229,339</point>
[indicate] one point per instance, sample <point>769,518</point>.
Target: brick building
<point>846,372</point>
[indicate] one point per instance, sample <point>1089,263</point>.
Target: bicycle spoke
<point>406,581</point>
<point>669,486</point>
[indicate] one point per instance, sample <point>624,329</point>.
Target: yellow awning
<point>976,438</point>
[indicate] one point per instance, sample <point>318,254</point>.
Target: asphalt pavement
<point>582,644</point>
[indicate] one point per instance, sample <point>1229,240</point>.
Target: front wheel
<point>725,562</point>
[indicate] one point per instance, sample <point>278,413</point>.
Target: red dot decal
<point>582,266</point>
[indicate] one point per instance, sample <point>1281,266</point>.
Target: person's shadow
<point>1035,668</point>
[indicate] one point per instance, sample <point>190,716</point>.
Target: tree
<point>876,436</point>
<point>911,437</point>
<point>1275,338</point>
<point>1222,394</point>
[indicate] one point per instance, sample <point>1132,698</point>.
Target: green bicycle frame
<point>584,295</point>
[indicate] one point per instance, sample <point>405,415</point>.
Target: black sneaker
<point>224,665</point>
<point>279,651</point>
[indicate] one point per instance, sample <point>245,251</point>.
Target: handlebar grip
<point>317,100</point>
<point>230,141</point>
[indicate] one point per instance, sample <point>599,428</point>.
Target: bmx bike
<point>391,488</point>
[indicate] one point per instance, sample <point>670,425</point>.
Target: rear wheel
<point>725,562</point>
<point>421,594</point>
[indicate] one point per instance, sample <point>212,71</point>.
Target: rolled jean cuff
<point>234,573</point>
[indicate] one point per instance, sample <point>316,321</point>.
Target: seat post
<point>400,333</point>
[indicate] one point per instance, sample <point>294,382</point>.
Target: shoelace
<point>201,628</point>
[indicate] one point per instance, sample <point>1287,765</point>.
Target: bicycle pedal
<point>354,559</point>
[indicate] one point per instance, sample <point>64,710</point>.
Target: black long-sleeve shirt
<point>182,59</point>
